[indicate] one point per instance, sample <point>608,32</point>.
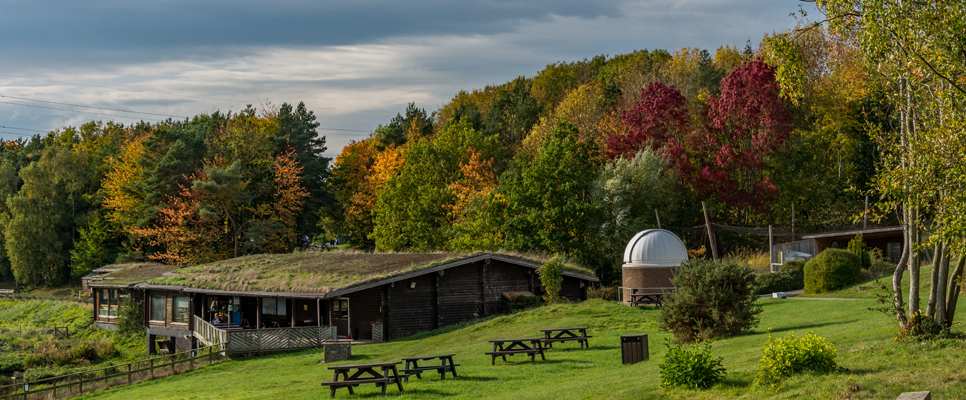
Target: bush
<point>857,247</point>
<point>789,355</point>
<point>690,366</point>
<point>551,277</point>
<point>832,269</point>
<point>83,351</point>
<point>603,293</point>
<point>105,348</point>
<point>711,298</point>
<point>129,316</point>
<point>789,277</point>
<point>517,303</point>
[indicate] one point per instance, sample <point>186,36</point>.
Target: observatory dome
<point>655,247</point>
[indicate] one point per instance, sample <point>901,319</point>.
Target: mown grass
<point>873,364</point>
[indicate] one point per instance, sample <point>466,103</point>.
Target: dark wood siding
<point>364,310</point>
<point>571,289</point>
<point>412,310</point>
<point>305,310</point>
<point>460,294</point>
<point>499,278</point>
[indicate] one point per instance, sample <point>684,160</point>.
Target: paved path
<point>795,293</point>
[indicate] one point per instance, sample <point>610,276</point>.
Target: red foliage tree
<point>659,120</point>
<point>726,156</point>
<point>743,128</point>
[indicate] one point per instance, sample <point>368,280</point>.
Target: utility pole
<point>707,223</point>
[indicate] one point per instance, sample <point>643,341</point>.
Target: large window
<point>107,303</point>
<point>181,309</point>
<point>158,306</point>
<point>272,306</point>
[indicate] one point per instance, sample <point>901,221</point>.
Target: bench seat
<point>565,339</point>
<point>358,382</point>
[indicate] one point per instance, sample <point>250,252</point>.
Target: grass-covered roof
<point>303,272</point>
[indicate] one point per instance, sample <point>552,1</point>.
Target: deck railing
<point>208,333</point>
<point>263,340</point>
<point>78,383</point>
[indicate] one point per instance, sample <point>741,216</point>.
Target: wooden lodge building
<point>284,301</point>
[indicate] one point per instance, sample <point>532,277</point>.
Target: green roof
<point>301,272</point>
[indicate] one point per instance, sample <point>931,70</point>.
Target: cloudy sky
<point>354,63</point>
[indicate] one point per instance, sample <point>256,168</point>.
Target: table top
<point>360,366</point>
<point>516,340</point>
<point>564,329</point>
<point>429,357</point>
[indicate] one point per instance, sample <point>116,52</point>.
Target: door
<point>340,316</point>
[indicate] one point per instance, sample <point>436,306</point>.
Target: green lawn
<point>874,365</point>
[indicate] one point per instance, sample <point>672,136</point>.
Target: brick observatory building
<point>650,259</point>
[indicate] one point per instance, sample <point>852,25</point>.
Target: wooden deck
<point>263,340</point>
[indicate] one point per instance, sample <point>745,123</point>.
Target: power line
<point>179,95</point>
<point>94,107</point>
<point>73,111</point>
<point>23,129</point>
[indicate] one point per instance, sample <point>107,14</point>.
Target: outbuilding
<point>650,261</point>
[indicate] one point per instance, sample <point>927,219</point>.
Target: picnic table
<point>565,335</point>
<point>412,366</point>
<point>505,347</point>
<point>364,373</point>
<point>638,299</point>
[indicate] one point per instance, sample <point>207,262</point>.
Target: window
<point>104,303</point>
<point>107,303</point>
<point>340,309</point>
<point>158,305</point>
<point>181,309</point>
<point>274,306</point>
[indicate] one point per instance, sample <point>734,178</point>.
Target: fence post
<point>152,368</point>
<point>128,373</point>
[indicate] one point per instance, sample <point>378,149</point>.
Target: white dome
<point>655,247</point>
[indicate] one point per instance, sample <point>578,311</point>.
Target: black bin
<point>633,349</point>
<point>354,333</point>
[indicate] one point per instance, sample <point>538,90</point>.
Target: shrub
<point>857,247</point>
<point>603,293</point>
<point>105,348</point>
<point>711,298</point>
<point>789,355</point>
<point>690,366</point>
<point>83,351</point>
<point>832,269</point>
<point>129,316</point>
<point>551,277</point>
<point>789,277</point>
<point>517,303</point>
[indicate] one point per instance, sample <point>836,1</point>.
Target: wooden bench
<point>554,335</point>
<point>365,373</point>
<point>412,366</point>
<point>509,347</point>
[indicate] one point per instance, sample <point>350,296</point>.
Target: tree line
<point>211,187</point>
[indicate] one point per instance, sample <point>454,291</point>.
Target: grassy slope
<point>875,365</point>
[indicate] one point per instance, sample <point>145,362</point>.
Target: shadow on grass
<point>805,327</point>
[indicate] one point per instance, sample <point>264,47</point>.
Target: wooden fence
<point>76,384</point>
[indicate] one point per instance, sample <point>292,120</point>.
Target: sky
<point>354,63</point>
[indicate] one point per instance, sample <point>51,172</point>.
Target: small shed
<point>650,259</point>
<point>887,239</point>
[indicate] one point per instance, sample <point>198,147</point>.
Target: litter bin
<point>633,349</point>
<point>354,333</point>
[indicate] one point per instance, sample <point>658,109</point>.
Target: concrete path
<point>794,294</point>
